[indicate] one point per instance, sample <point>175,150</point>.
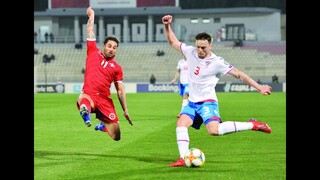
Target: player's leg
<point>182,135</point>
<point>85,105</point>
<point>113,129</point>
<point>109,121</point>
<point>216,127</point>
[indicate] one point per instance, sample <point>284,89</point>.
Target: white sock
<point>182,140</point>
<point>232,126</point>
<point>184,103</point>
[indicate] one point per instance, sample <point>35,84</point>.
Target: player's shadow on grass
<point>54,154</point>
<point>160,165</point>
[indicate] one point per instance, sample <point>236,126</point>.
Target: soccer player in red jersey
<point>101,71</point>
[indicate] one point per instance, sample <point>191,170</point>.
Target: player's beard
<point>202,54</point>
<point>111,54</point>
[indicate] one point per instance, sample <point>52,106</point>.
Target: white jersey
<point>203,74</point>
<point>183,68</point>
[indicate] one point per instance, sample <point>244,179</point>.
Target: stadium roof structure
<point>153,11</point>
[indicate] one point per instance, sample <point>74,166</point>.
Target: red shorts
<point>104,109</point>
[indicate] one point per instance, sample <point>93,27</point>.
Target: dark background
<point>42,5</point>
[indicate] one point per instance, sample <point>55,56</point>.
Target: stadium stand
<point>139,60</point>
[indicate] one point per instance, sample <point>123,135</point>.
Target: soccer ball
<point>194,158</point>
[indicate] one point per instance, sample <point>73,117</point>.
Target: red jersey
<point>100,72</point>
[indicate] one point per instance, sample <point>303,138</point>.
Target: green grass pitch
<point>64,148</point>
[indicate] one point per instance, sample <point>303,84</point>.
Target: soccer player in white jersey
<point>205,69</point>
<point>182,74</point>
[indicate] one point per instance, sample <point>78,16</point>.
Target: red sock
<point>86,102</point>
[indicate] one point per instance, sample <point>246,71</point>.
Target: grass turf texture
<point>64,148</point>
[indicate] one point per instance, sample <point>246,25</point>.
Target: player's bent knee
<point>116,137</point>
<point>213,132</point>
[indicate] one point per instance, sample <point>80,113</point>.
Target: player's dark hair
<point>112,38</point>
<point>204,36</point>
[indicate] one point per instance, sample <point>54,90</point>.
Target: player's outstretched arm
<point>90,23</point>
<point>263,89</point>
<point>122,99</point>
<point>171,37</point>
